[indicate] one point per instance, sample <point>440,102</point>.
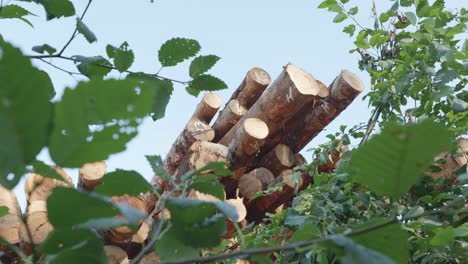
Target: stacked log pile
<point>260,132</point>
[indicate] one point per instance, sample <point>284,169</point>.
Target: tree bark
<point>344,89</point>
<point>286,95</point>
<point>255,181</point>
<point>230,115</point>
<point>248,92</point>
<point>299,160</point>
<point>278,159</point>
<point>90,174</point>
<point>10,224</point>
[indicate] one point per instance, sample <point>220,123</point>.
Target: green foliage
<point>93,67</point>
<point>44,48</point>
<point>392,162</point>
<point>202,64</point>
<point>83,29</point>
<point>122,182</point>
<point>205,82</point>
<point>356,254</point>
<point>25,111</point>
<point>177,50</point>
<point>3,210</point>
<point>14,11</point>
<point>123,56</point>
<point>46,171</point>
<point>169,247</point>
<point>157,165</point>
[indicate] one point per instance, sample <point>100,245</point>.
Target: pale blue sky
<point>244,33</point>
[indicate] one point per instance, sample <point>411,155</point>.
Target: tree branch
<point>76,29</point>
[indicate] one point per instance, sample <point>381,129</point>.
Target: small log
<point>255,181</point>
<point>286,95</point>
<point>90,174</point>
<point>230,115</point>
<point>37,223</point>
<point>197,128</point>
<point>278,159</point>
<point>123,234</point>
<point>253,85</point>
<point>38,187</point>
<point>115,255</point>
<point>200,154</point>
<point>246,145</point>
<point>334,156</point>
<point>344,89</point>
<point>10,224</point>
<point>452,161</point>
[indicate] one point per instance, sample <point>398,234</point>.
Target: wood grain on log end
<point>278,159</point>
<point>90,174</point>
<point>255,181</point>
<point>208,107</point>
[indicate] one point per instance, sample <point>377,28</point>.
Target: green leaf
<point>3,210</point>
<point>68,207</point>
<point>123,56</point>
<point>83,29</point>
<point>162,90</point>
<point>340,17</point>
<point>202,64</point>
<point>14,11</point>
<point>196,223</point>
<point>209,184</point>
<point>217,168</point>
<point>461,231</point>
<point>354,10</point>
<point>384,17</point>
<point>192,91</point>
<point>158,167</point>
<point>356,254</point>
<point>46,171</point>
<point>105,104</point>
<point>350,29</point>
<point>57,8</point>
<point>169,247</point>
<point>412,18</point>
<point>25,112</point>
<point>328,4</point>
<point>361,40</point>
<point>390,240</point>
<point>93,67</point>
<point>307,231</point>
<point>207,83</point>
<point>177,50</point>
<point>73,246</point>
<point>122,182</point>
<point>443,237</point>
<point>44,48</point>
<point>390,163</point>
<point>444,76</point>
<point>406,3</point>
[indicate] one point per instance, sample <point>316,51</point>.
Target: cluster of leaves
<point>110,109</point>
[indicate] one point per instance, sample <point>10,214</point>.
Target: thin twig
<point>61,69</point>
<point>307,243</point>
<point>76,29</point>
<point>371,124</point>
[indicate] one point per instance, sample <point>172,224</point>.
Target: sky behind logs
<point>244,33</point>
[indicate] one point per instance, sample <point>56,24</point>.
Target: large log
<point>38,225</point>
<point>255,181</point>
<point>197,128</point>
<point>286,95</point>
<point>246,144</point>
<point>344,89</point>
<point>38,187</point>
<point>278,159</point>
<point>199,154</point>
<point>90,174</point>
<point>248,92</point>
<point>10,224</point>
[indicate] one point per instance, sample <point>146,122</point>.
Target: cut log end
<point>305,83</point>
<point>255,181</point>
<point>323,92</point>
<point>256,128</point>
<point>208,107</point>
<point>90,174</point>
<point>259,76</point>
<point>353,80</point>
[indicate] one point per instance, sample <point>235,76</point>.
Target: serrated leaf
<point>73,246</point>
<point>192,91</point>
<point>93,67</point>
<point>68,207</point>
<point>177,50</point>
<point>169,247</point>
<point>121,182</point>
<point>83,29</point>
<point>158,166</point>
<point>58,8</point>
<point>356,254</point>
<point>44,48</point>
<point>102,103</point>
<point>14,11</point>
<point>25,112</point>
<point>340,17</point>
<point>196,223</point>
<point>217,168</point>
<point>202,64</point>
<point>3,210</point>
<point>123,56</point>
<point>207,83</point>
<point>390,240</point>
<point>350,29</point>
<point>208,184</point>
<point>46,171</point>
<point>391,162</point>
<point>162,90</point>
<point>361,40</point>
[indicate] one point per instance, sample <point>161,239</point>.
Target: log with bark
<point>37,222</point>
<point>90,174</point>
<point>286,95</point>
<point>197,128</point>
<point>278,159</point>
<point>255,181</point>
<point>123,235</point>
<point>253,85</point>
